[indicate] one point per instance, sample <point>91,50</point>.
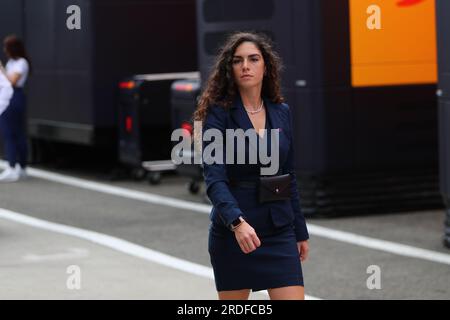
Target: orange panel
<point>403,51</point>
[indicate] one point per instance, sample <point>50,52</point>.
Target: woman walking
<point>258,235</point>
<point>12,120</point>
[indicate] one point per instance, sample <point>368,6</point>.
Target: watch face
<point>236,222</point>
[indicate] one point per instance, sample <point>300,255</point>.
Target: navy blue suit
<point>278,224</point>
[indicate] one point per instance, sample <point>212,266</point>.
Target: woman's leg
<point>20,129</point>
<point>234,294</point>
<point>9,139</point>
<point>287,293</point>
<point>21,143</point>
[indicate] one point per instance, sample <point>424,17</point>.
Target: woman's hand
<point>14,78</point>
<point>303,250</point>
<point>246,237</point>
<point>2,69</point>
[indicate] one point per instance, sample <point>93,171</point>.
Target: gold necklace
<point>257,110</point>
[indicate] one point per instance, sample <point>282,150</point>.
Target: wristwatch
<point>236,223</point>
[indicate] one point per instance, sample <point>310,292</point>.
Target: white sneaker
<point>9,175</point>
<point>22,172</point>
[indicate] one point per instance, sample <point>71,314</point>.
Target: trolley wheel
<point>138,174</point>
<point>194,187</point>
<point>154,178</point>
<point>446,241</point>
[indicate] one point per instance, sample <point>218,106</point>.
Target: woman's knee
<point>234,294</point>
<point>287,293</point>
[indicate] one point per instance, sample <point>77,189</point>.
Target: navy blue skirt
<point>276,263</point>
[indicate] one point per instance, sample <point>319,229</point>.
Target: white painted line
<point>378,244</point>
<point>71,253</point>
<point>115,244</point>
<point>347,237</point>
<point>110,242</point>
<point>118,191</point>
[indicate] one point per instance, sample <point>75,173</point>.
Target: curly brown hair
<point>15,49</point>
<point>221,88</point>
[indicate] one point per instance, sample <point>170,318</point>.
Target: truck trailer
<point>73,89</point>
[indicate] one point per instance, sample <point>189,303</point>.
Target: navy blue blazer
<point>230,202</point>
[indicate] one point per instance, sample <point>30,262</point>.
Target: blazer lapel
<point>239,115</point>
<point>273,114</point>
<point>241,118</point>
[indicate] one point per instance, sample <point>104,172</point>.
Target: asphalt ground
<point>172,236</point>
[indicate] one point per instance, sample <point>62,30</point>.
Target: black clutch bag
<point>275,188</point>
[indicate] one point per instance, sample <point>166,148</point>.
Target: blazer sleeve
<point>215,174</point>
<point>301,231</point>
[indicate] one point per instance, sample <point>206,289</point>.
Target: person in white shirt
<point>6,90</point>
<point>12,120</point>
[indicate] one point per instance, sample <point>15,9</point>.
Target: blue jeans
<point>12,126</point>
